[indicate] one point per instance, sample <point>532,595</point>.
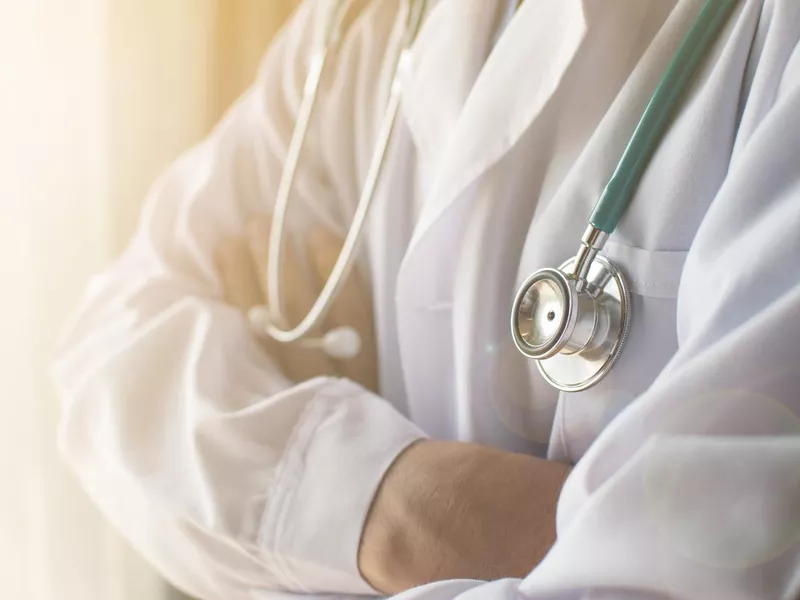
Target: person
<point>440,456</point>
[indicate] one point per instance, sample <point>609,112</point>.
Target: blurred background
<point>96,98</point>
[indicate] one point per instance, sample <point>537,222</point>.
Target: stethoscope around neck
<point>344,342</point>
<point>573,320</point>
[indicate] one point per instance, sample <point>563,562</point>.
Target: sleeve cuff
<point>336,459</point>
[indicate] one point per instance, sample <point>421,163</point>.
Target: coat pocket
<point>650,273</point>
<point>654,278</point>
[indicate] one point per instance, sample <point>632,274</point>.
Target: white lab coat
<point>237,483</point>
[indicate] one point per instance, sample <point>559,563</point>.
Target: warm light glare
<point>98,96</point>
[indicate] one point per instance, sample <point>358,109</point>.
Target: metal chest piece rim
<point>575,337</point>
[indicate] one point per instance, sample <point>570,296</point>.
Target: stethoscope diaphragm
<point>574,336</point>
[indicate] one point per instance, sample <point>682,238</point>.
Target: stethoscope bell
<point>575,332</point>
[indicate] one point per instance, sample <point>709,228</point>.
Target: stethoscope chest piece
<point>575,333</point>
<point>574,321</point>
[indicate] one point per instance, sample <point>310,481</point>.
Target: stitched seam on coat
<point>288,475</point>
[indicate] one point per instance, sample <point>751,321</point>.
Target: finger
<point>352,308</point>
<point>240,283</point>
<point>299,364</point>
<point>237,273</point>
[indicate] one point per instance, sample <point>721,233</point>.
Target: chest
<point>506,188</point>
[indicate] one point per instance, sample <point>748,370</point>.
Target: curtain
<point>96,98</point>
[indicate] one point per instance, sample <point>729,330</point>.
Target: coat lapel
<point>441,72</point>
<point>466,112</point>
<point>504,96</point>
<point>457,250</point>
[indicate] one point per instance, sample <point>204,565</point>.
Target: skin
<point>445,510</point>
<point>451,510</point>
<point>242,265</point>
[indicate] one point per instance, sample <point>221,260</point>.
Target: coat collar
<point>466,110</point>
<point>444,64</point>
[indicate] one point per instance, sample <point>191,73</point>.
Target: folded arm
<point>204,447</point>
<point>454,510</point>
<point>694,490</point>
<point>183,429</point>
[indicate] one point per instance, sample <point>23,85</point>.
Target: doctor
<point>241,473</point>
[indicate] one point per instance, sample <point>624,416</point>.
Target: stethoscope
<point>574,320</point>
<point>343,342</point>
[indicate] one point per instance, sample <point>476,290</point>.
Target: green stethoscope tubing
<point>652,127</point>
<point>574,321</point>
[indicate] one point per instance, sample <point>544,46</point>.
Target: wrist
<point>397,533</point>
<point>449,510</point>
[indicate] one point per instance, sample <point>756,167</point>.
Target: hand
<point>450,510</point>
<point>242,265</point>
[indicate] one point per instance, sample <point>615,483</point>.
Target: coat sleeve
<point>226,476</point>
<point>694,491</point>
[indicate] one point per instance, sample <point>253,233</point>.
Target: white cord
<point>272,317</point>
<point>342,343</point>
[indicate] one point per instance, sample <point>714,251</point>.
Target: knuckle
<point>230,251</point>
<point>258,227</point>
<point>325,249</point>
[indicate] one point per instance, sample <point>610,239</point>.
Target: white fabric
<point>686,480</point>
<point>95,94</point>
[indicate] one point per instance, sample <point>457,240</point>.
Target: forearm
<point>449,510</point>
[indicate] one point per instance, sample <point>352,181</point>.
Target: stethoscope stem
<point>592,243</point>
